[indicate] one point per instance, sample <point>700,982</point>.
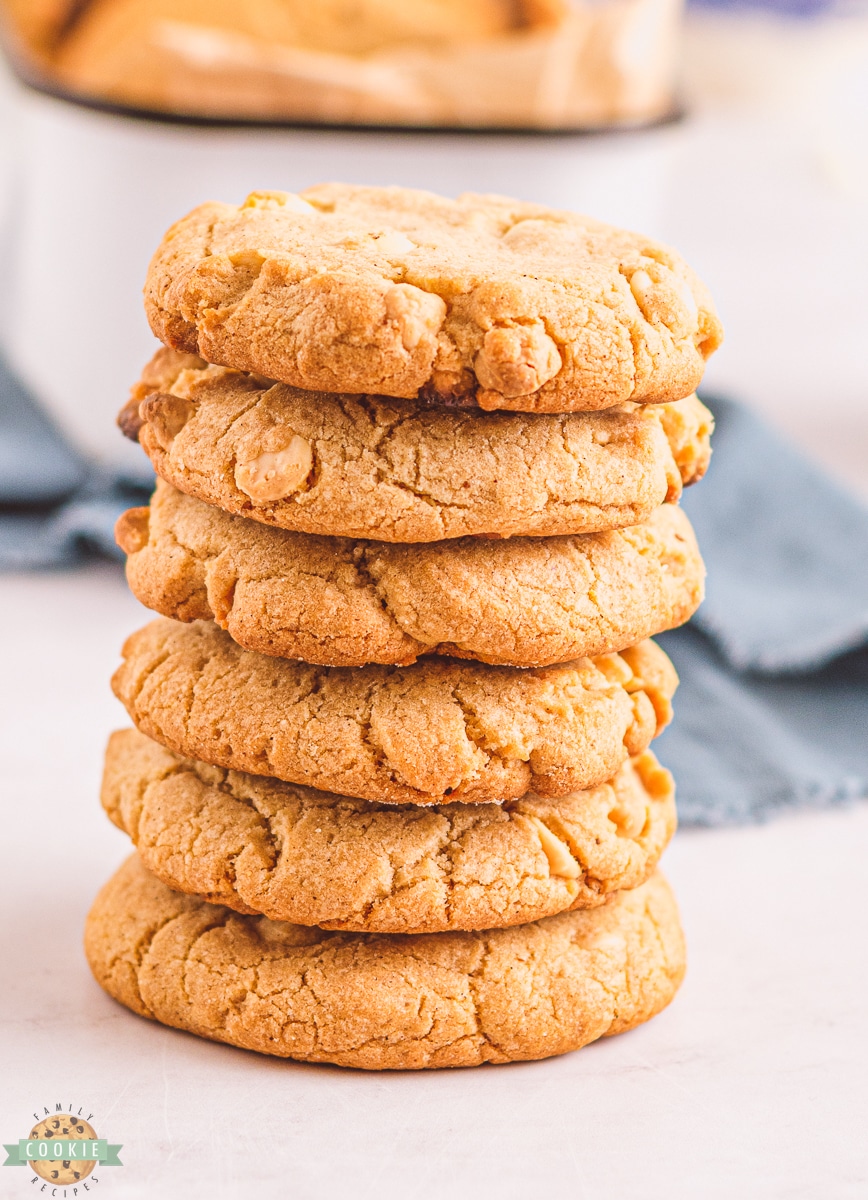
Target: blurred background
<point>737,132</point>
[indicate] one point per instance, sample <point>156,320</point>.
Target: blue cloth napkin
<point>772,711</point>
<point>55,509</point>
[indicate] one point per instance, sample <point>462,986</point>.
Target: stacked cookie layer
<point>390,784</point>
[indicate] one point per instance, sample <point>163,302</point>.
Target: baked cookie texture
<point>338,602</point>
<point>481,300</point>
<point>314,858</point>
<point>398,471</point>
<point>380,1001</point>
<point>438,731</point>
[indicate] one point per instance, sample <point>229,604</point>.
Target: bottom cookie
<point>385,1001</point>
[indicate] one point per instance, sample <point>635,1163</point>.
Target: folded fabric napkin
<point>772,711</point>
<point>55,508</point>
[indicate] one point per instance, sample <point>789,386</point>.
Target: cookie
<point>64,1127</point>
<point>520,602</point>
<point>362,466</point>
<point>385,1001</point>
<point>313,858</point>
<point>438,731</point>
<point>481,300</point>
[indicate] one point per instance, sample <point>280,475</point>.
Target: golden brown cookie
<point>398,471</point>
<point>521,602</point>
<point>381,1001</point>
<point>295,854</point>
<point>435,732</point>
<point>481,300</point>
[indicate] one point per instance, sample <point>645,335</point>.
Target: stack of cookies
<point>390,784</point>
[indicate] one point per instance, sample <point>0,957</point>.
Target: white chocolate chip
<point>561,861</point>
<point>614,668</point>
<point>665,300</point>
<point>687,297</point>
<point>641,285</point>
<point>417,314</point>
<point>392,243</point>
<point>287,200</point>
<point>275,474</point>
<point>516,360</point>
<point>629,819</point>
<point>248,258</point>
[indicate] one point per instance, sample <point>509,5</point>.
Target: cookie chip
<point>435,732</point>
<point>521,602</point>
<point>480,300</point>
<point>362,466</point>
<point>295,854</point>
<point>67,1127</point>
<point>381,1001</point>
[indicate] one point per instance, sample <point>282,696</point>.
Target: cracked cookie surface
<point>399,471</point>
<point>314,858</point>
<point>438,731</point>
<point>385,1001</point>
<point>520,602</point>
<point>482,300</point>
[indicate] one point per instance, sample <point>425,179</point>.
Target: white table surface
<point>752,1084</point>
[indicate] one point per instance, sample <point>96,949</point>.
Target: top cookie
<point>476,301</point>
